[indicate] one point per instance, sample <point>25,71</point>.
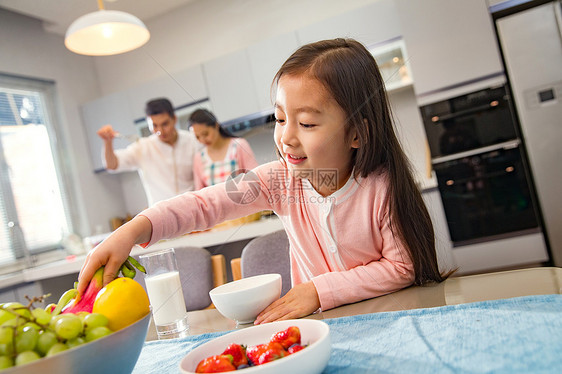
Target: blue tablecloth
<point>522,334</point>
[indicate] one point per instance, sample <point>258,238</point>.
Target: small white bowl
<point>311,360</point>
<point>244,299</point>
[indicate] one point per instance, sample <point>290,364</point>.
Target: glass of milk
<point>165,293</point>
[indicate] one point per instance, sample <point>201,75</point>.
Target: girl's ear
<point>354,139</point>
<point>353,136</point>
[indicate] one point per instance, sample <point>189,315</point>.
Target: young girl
<point>356,222</point>
<point>223,154</point>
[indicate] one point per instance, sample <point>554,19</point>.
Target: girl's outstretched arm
<point>300,301</point>
<point>114,250</point>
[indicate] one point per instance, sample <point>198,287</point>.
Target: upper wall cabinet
<point>371,24</point>
<point>113,109</point>
<point>231,86</point>
<point>449,42</point>
<point>265,59</point>
<point>393,64</point>
<point>180,88</point>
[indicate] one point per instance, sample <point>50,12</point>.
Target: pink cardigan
<point>342,242</point>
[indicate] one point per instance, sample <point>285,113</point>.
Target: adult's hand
<point>107,133</point>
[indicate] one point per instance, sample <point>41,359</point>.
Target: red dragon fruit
<point>85,303</point>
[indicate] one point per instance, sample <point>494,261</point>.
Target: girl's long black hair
<point>349,72</point>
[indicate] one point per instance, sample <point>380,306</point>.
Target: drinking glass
<point>165,293</point>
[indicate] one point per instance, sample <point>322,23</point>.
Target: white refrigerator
<point>531,44</point>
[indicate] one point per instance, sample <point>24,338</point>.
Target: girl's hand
<point>300,301</point>
<point>114,250</point>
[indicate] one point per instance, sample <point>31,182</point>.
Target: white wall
<point>26,50</point>
<point>206,29</point>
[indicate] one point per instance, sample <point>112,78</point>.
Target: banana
<point>65,299</point>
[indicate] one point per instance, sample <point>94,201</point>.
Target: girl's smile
<point>295,160</point>
<point>310,130</point>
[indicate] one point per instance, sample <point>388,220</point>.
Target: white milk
<point>166,297</point>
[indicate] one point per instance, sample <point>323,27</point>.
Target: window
<point>34,203</point>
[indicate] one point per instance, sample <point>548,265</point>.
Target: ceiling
<point>57,15</point>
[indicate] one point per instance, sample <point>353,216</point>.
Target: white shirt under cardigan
<point>165,170</point>
<point>342,243</point>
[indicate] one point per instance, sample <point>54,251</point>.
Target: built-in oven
<point>486,194</point>
<point>470,121</point>
<point>483,179</point>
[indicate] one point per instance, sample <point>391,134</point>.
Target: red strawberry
<point>254,353</point>
<point>288,337</point>
<point>294,348</point>
<point>215,364</point>
<point>238,353</point>
<point>274,351</point>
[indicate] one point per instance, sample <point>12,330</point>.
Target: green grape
<point>18,308</point>
<point>6,349</point>
<point>95,320</point>
<point>6,362</point>
<point>97,332</point>
<point>46,340</point>
<point>5,316</point>
<point>41,316</point>
<point>14,323</point>
<point>33,325</point>
<point>56,348</point>
<point>6,334</point>
<point>75,342</point>
<point>69,326</point>
<point>82,315</point>
<point>26,357</point>
<point>55,319</point>
<point>27,339</point>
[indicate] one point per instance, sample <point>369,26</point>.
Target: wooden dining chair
<point>262,255</point>
<point>199,273</point>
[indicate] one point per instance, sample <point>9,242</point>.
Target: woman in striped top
<point>223,154</point>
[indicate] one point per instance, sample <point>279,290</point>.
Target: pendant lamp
<point>106,32</point>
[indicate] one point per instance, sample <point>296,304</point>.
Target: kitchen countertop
<point>72,264</point>
<point>453,291</point>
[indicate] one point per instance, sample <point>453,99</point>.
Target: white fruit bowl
<point>116,353</point>
<point>244,299</point>
<point>310,360</point>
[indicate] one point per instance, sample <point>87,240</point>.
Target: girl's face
<point>207,135</point>
<point>310,133</point>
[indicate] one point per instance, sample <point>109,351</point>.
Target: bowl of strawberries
<point>292,346</point>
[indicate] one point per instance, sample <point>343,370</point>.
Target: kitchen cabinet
<point>180,88</point>
<point>371,24</point>
<point>410,132</point>
<point>19,292</point>
<point>393,63</point>
<point>443,243</point>
<point>450,42</point>
<point>265,60</point>
<point>231,86</point>
<point>112,109</point>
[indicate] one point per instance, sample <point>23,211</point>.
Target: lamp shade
<point>106,32</point>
